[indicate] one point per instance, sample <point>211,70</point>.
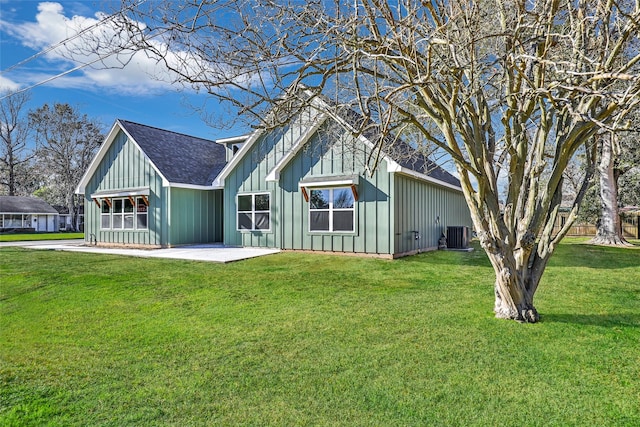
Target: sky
<point>29,28</point>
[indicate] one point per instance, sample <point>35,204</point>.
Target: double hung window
<point>332,210</point>
<point>254,212</point>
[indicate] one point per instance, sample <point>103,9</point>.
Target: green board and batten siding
<point>427,209</point>
<point>124,166</point>
<point>324,155</point>
<point>195,216</point>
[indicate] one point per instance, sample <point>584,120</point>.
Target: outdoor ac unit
<point>458,237</point>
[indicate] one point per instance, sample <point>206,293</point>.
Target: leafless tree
<point>67,142</point>
<point>619,154</point>
<point>513,88</point>
<point>14,136</point>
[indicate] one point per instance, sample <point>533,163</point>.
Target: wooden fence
<point>630,227</point>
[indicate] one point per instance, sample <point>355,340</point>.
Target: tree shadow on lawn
<point>475,258</point>
<point>594,256</point>
<point>571,254</point>
<point>602,320</point>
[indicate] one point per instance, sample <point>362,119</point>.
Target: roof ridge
<point>165,130</point>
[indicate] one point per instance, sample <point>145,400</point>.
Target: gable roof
<point>182,160</point>
<point>25,205</point>
<point>179,158</point>
<point>407,158</point>
<point>400,156</point>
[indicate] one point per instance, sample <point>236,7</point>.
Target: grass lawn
<point>299,339</point>
<point>39,236</point>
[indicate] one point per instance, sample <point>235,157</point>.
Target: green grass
<point>299,339</point>
<point>39,236</point>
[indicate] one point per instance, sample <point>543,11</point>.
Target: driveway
<point>208,252</point>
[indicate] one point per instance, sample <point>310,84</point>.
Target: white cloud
<point>125,73</point>
<point>7,85</point>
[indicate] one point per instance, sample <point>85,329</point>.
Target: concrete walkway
<point>208,252</point>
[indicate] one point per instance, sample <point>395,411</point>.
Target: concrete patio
<point>205,252</point>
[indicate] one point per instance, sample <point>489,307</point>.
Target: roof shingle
<point>180,158</point>
<point>25,205</point>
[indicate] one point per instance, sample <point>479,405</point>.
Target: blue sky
<point>131,93</point>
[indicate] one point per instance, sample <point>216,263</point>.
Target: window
<point>332,210</point>
<point>141,213</point>
<point>124,214</point>
<point>254,211</point>
<point>105,216</point>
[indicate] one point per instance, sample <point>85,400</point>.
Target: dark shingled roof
<point>25,205</point>
<point>398,150</point>
<point>180,158</point>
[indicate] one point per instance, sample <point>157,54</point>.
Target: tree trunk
<point>513,293</point>
<point>517,279</point>
<point>12,173</point>
<point>71,206</point>
<point>609,230</point>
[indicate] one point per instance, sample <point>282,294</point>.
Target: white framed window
<point>141,214</point>
<point>127,213</point>
<point>105,214</point>
<point>253,212</point>
<point>332,210</point>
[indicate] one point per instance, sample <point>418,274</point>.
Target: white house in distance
<point>27,213</point>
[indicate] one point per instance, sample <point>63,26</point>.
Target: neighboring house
<point>152,187</point>
<point>28,213</point>
<point>305,186</point>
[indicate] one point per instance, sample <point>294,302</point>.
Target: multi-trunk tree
<point>510,90</point>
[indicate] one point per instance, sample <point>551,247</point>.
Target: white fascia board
<point>190,186</point>
<point>328,183</point>
<point>93,166</point>
<point>423,177</point>
<point>274,174</point>
<point>233,139</point>
<point>218,182</point>
<point>111,136</point>
<point>125,192</point>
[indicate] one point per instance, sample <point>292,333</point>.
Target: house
<point>27,213</point>
<point>306,186</point>
<point>152,188</point>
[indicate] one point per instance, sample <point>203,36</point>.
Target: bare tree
<point>619,154</point>
<point>514,89</point>
<point>14,136</point>
<point>67,142</point>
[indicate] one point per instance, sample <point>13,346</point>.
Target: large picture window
<point>332,210</point>
<point>126,213</point>
<point>254,212</point>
